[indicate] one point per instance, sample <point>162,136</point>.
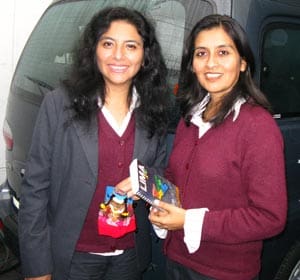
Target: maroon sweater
<point>237,171</point>
<point>115,155</point>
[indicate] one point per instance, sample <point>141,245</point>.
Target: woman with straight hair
<point>227,161</point>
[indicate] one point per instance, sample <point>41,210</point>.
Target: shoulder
<point>256,114</point>
<point>55,101</point>
<point>183,127</point>
<point>258,122</point>
<point>54,108</point>
<point>58,96</point>
<point>254,110</point>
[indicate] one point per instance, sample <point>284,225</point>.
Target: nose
<point>212,61</point>
<point>119,52</point>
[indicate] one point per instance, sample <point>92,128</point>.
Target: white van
<point>273,27</point>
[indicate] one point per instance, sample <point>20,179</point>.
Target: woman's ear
<point>243,66</point>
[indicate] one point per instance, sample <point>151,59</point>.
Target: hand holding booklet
<point>149,185</point>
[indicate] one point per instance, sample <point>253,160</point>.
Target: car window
<point>48,56</point>
<point>280,77</point>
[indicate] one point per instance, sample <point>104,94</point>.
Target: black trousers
<point>85,266</point>
<point>176,271</point>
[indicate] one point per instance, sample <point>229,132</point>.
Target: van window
<point>47,57</point>
<point>280,77</point>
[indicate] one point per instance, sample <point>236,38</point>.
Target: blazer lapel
<point>89,141</point>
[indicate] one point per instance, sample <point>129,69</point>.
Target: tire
<point>290,266</point>
<point>7,259</point>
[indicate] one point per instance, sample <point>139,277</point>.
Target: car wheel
<point>290,266</point>
<point>7,259</point>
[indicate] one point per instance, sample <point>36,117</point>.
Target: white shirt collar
<point>199,109</point>
<point>110,119</point>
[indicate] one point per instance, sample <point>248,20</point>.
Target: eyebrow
<point>126,41</point>
<point>220,46</point>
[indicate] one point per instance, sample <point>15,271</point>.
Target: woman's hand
<point>125,188</point>
<point>167,216</point>
<point>45,277</point>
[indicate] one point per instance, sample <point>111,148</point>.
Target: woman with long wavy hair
<point>113,108</point>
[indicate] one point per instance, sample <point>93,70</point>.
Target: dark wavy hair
<point>86,82</point>
<point>190,91</point>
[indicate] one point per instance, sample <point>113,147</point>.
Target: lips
<point>212,76</point>
<point>118,68</point>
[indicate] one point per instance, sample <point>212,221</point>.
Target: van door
<point>280,80</point>
<point>274,31</point>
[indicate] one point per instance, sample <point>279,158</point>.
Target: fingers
<point>156,217</point>
<point>132,195</point>
<point>167,216</point>
<point>46,277</point>
<point>124,187</point>
<point>163,205</point>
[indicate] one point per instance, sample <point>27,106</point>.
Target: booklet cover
<point>150,186</point>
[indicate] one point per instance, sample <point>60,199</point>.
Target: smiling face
<point>216,62</point>
<point>120,54</point>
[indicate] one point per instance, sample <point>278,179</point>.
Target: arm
<point>46,277</point>
<point>263,179</point>
<point>171,217</point>
<point>34,235</point>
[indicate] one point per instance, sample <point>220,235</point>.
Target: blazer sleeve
<point>33,225</point>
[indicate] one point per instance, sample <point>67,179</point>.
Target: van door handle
<point>22,172</point>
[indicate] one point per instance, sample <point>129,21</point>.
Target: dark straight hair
<point>191,93</point>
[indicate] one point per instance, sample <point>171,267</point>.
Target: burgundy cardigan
<point>115,155</point>
<point>237,171</point>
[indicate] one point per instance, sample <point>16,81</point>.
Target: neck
<point>215,99</point>
<point>212,108</point>
<point>116,103</point>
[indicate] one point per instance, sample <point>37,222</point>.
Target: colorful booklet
<point>116,215</point>
<point>149,185</point>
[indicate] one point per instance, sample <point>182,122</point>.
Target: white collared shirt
<point>197,114</point>
<point>111,120</point>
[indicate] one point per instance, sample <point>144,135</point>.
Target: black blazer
<point>59,182</point>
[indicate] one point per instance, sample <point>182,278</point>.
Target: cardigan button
<point>120,164</point>
<point>122,142</point>
<point>187,166</point>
